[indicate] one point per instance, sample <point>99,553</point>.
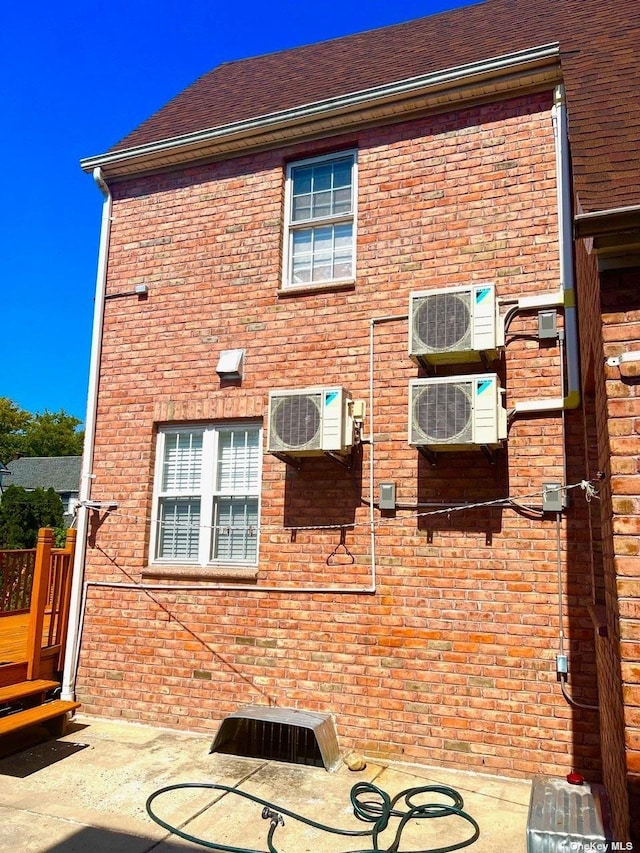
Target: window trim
<point>290,227</point>
<point>207,494</point>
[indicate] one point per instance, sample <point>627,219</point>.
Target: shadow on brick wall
<point>579,596</point>
<point>458,479</point>
<point>323,492</point>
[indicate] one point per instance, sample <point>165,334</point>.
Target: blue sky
<point>75,78</point>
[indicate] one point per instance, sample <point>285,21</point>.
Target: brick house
<point>313,265</point>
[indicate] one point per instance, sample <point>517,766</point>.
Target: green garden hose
<point>370,805</point>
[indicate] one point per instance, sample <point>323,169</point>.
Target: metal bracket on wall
<point>486,361</point>
<point>427,366</point>
<point>490,454</point>
<point>297,462</point>
<point>429,455</point>
<point>293,461</point>
<point>345,461</point>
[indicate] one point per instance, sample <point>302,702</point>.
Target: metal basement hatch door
<point>279,734</point>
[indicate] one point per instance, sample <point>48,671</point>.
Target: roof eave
<point>613,235</point>
<point>495,77</point>
<point>604,222</point>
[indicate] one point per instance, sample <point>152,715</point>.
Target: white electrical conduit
<point>563,415</point>
<point>213,586</point>
<point>80,586</point>
<point>75,632</point>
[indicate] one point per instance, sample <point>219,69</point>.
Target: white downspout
<point>75,604</point>
<point>571,398</point>
<point>565,230</point>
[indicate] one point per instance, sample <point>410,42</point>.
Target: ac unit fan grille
<point>442,413</point>
<point>442,322</point>
<point>296,421</point>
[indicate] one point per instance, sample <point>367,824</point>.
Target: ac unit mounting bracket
<point>431,369</point>
<point>429,455</point>
<point>490,454</point>
<point>486,361</point>
<point>345,461</point>
<point>428,368</point>
<point>297,462</point>
<point>432,458</point>
<point>293,461</point>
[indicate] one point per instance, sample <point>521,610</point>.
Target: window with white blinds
<point>235,502</point>
<point>182,466</point>
<point>207,494</point>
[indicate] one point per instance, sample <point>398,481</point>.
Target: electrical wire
<point>574,702</point>
<point>370,804</point>
<point>562,676</point>
<point>506,502</point>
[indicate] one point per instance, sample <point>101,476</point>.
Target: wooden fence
<point>50,594</point>
<point>38,582</point>
<point>16,580</point>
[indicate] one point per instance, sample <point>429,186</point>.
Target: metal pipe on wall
<point>86,476</point>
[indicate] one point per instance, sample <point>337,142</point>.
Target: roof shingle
<point>600,50</point>
<point>61,473</point>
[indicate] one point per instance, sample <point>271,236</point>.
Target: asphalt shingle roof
<point>600,54</point>
<point>61,473</point>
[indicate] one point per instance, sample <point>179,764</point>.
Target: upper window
<point>206,497</point>
<point>320,220</point>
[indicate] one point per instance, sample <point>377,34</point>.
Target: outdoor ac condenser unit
<point>457,412</point>
<point>454,324</point>
<point>310,422</point>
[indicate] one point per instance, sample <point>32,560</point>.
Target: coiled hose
<point>370,804</point>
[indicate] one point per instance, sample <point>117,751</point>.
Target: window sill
<point>201,573</point>
<point>321,287</point>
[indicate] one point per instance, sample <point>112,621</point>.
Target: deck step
<point>13,692</point>
<point>36,716</point>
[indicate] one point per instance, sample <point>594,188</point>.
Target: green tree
<point>23,513</point>
<point>42,434</point>
<point>52,434</point>
<point>13,422</point>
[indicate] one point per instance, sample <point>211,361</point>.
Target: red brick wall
<point>602,436</point>
<point>621,332</point>
<point>452,661</point>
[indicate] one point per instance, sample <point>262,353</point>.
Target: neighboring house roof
<point>599,48</point>
<point>61,473</point>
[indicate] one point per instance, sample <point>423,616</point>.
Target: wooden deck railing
<point>50,593</point>
<point>16,580</point>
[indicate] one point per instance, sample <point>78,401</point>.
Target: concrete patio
<point>87,792</point>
